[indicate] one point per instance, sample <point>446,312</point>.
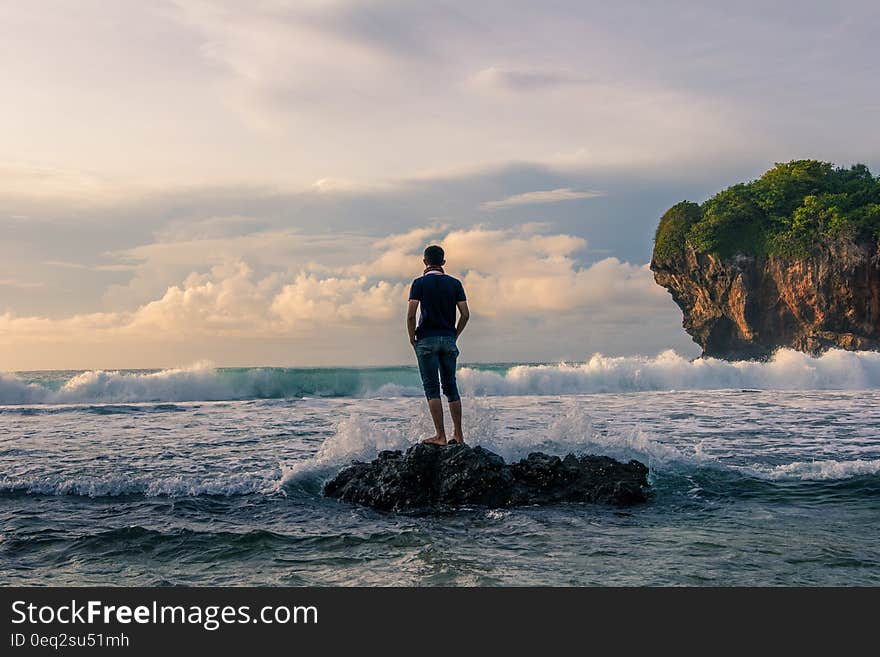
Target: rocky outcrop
<point>746,306</point>
<point>429,476</point>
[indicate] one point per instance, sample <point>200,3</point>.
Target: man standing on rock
<point>434,339</point>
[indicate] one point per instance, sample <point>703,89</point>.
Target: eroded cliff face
<point>745,307</point>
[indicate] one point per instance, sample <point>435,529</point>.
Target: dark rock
<point>428,476</point>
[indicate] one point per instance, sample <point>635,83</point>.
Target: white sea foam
<point>562,428</point>
<point>395,390</point>
<point>120,485</point>
<point>15,391</point>
<point>822,470</point>
<point>571,430</point>
<point>358,438</point>
<point>199,382</point>
<point>355,438</point>
<point>788,370</point>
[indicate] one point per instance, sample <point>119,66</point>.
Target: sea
<point>761,474</point>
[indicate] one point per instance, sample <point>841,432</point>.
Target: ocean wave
<point>825,470</point>
<point>360,438</point>
<point>787,370</point>
<point>571,431</point>
<point>204,382</point>
<point>357,437</point>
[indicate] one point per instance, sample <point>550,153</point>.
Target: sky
<point>253,183</point>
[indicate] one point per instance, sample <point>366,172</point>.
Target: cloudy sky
<point>252,182</point>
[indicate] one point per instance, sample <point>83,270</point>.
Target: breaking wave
<point>787,370</point>
<point>362,437</point>
<point>202,382</point>
<point>571,431</point>
<point>827,470</point>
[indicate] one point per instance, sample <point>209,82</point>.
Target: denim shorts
<point>437,355</point>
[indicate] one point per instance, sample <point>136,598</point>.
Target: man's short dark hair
<point>434,255</point>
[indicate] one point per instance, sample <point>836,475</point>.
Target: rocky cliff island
<point>791,259</point>
<point>430,476</point>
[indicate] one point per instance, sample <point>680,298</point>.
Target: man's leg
<point>455,411</point>
<point>436,408</point>
<point>447,362</point>
<point>429,369</point>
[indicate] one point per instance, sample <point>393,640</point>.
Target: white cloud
<point>323,301</point>
<point>167,261</point>
<point>227,301</point>
<point>518,280</point>
<point>548,196</point>
<point>247,148</point>
<point>294,91</point>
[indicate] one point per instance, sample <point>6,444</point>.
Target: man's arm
<point>463,316</point>
<point>411,310</point>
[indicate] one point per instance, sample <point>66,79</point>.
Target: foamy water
<point>750,486</point>
<point>787,370</point>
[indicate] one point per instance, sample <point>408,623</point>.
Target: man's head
<point>434,256</point>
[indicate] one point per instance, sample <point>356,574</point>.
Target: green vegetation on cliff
<point>785,212</point>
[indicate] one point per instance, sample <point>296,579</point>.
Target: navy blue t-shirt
<point>437,295</point>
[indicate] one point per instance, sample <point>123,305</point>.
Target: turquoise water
<point>123,478</point>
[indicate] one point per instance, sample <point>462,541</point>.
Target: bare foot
<point>435,440</point>
<point>456,440</point>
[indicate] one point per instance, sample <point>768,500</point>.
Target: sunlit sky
<point>252,183</point>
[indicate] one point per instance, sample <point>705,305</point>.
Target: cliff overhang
<point>744,307</point>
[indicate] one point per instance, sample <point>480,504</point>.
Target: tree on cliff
<point>785,212</point>
<point>791,259</point>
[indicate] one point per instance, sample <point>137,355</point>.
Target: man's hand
<point>464,315</point>
<point>411,320</point>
